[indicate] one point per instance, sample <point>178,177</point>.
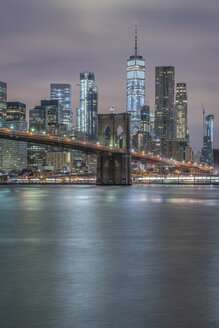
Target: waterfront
<point>87,256</point>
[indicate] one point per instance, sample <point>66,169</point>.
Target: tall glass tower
<point>87,114</point>
<point>208,141</point>
<point>3,101</point>
<point>164,102</point>
<point>209,126</point>
<point>135,88</point>
<point>62,92</point>
<point>181,112</point>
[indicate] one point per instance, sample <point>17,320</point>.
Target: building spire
<point>136,39</point>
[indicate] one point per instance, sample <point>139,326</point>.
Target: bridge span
<point>121,157</point>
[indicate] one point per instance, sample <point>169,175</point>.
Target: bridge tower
<point>114,131</point>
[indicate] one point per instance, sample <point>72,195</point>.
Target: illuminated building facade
<point>145,119</point>
<point>208,141</point>
<point>164,102</point>
<point>209,127</point>
<point>16,111</point>
<point>14,153</point>
<point>3,101</point>
<point>60,160</point>
<point>3,109</point>
<point>38,119</point>
<point>135,88</point>
<point>152,122</point>
<point>36,154</point>
<point>62,92</point>
<point>181,112</point>
<point>53,110</point>
<point>87,113</point>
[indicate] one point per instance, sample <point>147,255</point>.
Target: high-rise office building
<point>181,112</point>
<point>3,109</point>
<point>16,111</point>
<point>87,114</point>
<point>62,92</point>
<point>145,119</point>
<point>14,153</point>
<point>135,88</point>
<point>152,122</point>
<point>3,101</point>
<point>209,128</point>
<point>164,102</point>
<point>208,141</point>
<point>38,119</point>
<point>36,154</point>
<point>53,112</point>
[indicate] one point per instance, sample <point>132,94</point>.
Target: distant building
<point>164,102</point>
<point>38,119</point>
<point>216,161</point>
<point>14,153</point>
<point>16,111</point>
<point>208,140</point>
<point>36,153</point>
<point>145,119</point>
<point>181,112</point>
<point>3,109</point>
<point>62,92</point>
<point>152,122</point>
<point>178,150</point>
<point>207,151</point>
<point>3,101</point>
<point>209,127</point>
<point>196,156</point>
<point>135,88</point>
<point>54,111</point>
<point>60,160</point>
<point>87,114</point>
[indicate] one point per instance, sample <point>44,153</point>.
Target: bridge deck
<point>90,147</point>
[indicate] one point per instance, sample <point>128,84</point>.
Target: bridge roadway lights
<point>113,169</point>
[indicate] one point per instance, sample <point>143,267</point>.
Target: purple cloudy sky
<point>48,41</point>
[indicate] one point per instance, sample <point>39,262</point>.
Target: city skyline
<point>184,37</point>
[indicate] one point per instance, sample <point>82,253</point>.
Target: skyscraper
<point>16,111</point>
<point>3,101</point>
<point>14,153</point>
<point>53,110</point>
<point>209,127</point>
<point>62,92</point>
<point>145,119</point>
<point>135,88</point>
<point>181,112</point>
<point>38,119</point>
<point>87,114</point>
<point>36,154</point>
<point>3,109</point>
<point>208,141</point>
<point>164,102</point>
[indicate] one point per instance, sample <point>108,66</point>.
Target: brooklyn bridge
<point>113,158</point>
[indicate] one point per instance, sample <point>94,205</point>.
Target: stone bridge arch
<point>114,131</point>
<point>114,122</point>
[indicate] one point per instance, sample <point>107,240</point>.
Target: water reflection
<point>77,256</point>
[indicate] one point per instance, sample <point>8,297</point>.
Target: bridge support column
<point>113,169</point>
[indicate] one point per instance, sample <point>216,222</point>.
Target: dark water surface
<point>86,256</point>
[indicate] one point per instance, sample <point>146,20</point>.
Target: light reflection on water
<point>86,256</point>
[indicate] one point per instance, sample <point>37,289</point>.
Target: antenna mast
<point>136,39</point>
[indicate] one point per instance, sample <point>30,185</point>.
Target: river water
<point>87,256</point>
